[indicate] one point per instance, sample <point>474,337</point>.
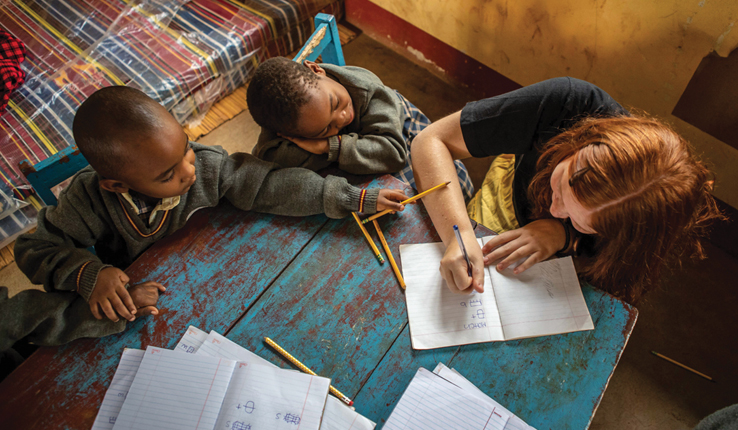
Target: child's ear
<point>114,186</point>
<point>314,67</point>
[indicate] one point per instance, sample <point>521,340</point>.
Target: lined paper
<point>545,299</point>
<point>437,316</point>
<point>175,391</point>
<point>338,416</point>
<point>216,345</point>
<point>432,403</point>
<point>118,389</point>
<point>267,397</point>
<point>191,341</point>
<point>451,375</point>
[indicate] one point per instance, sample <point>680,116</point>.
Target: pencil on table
<point>682,366</point>
<point>368,239</point>
<point>404,202</point>
<point>389,254</point>
<point>304,368</point>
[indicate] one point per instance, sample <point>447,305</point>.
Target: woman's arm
<point>433,152</point>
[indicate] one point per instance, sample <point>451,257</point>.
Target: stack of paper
<point>217,384</point>
<point>546,299</point>
<point>446,400</point>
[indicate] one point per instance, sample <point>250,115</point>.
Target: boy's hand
<point>111,296</point>
<point>315,146</point>
<point>145,296</point>
<point>390,199</point>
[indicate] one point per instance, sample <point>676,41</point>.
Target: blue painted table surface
<point>313,286</point>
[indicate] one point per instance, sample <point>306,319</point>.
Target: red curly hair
<point>650,195</point>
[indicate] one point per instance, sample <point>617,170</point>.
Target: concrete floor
<point>691,319</point>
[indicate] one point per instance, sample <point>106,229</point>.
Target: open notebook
<point>544,300</point>
<point>446,400</point>
<point>256,395</point>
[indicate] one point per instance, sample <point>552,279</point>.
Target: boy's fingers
<point>127,300</point>
<point>158,286</point>
<point>124,278</point>
<point>148,310</point>
<point>95,311</point>
<point>121,308</point>
<point>108,311</point>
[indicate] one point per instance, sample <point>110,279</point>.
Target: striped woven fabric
<point>184,54</point>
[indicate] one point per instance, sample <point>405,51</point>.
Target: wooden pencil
<point>389,254</point>
<point>404,202</point>
<point>682,366</point>
<point>368,239</point>
<point>305,369</point>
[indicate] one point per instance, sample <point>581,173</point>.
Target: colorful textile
<point>184,54</point>
<point>12,53</point>
<point>415,122</point>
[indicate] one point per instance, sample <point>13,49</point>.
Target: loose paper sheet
<point>544,300</point>
<point>191,341</point>
<point>118,389</point>
<point>431,402</point>
<point>451,375</point>
<point>336,416</point>
<point>175,391</point>
<point>269,398</point>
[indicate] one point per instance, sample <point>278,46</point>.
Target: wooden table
<point>313,285</point>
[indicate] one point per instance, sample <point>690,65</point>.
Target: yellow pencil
<point>304,368</point>
<point>389,254</point>
<point>410,200</point>
<point>368,239</point>
<point>681,365</point>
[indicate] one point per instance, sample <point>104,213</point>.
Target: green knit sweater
<point>372,143</point>
<point>56,254</point>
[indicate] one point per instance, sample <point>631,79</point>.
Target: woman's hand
<point>454,269</point>
<point>537,241</point>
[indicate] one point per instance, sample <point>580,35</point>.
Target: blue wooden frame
<point>48,173</point>
<point>330,45</point>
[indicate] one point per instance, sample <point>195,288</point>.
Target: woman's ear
<point>314,67</point>
<point>114,186</point>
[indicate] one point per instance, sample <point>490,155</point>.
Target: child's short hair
<point>110,118</point>
<point>277,92</point>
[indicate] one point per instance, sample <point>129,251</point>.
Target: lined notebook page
<point>437,316</point>
<point>118,389</point>
<point>545,299</point>
<point>191,341</point>
<point>217,345</point>
<point>451,375</point>
<point>266,397</point>
<point>432,403</point>
<point>338,416</point>
<point>175,391</point>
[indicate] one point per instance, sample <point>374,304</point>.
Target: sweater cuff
<point>334,147</point>
<point>363,200</point>
<point>87,277</point>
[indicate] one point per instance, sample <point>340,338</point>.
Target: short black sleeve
<point>515,122</point>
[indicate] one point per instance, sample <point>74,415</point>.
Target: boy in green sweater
<point>315,115</point>
<point>144,181</point>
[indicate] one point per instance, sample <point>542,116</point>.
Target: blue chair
<point>52,171</point>
<point>324,41</point>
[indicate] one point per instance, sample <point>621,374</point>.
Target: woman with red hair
<point>574,174</point>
